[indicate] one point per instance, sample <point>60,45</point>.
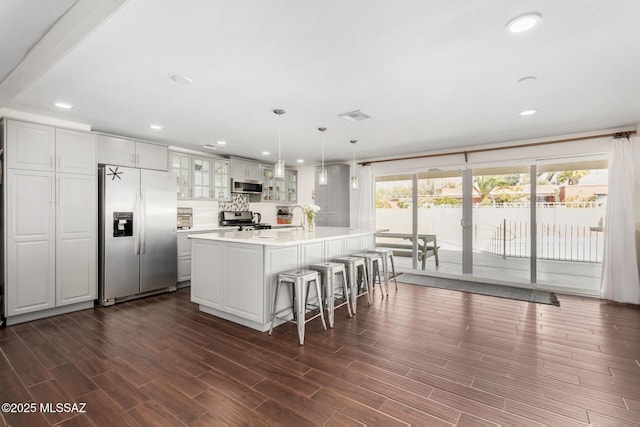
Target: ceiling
<point>433,75</point>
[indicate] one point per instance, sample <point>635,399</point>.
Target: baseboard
<point>28,317</point>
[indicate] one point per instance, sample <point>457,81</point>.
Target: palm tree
<point>484,185</point>
<point>571,177</point>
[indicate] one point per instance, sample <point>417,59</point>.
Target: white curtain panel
<point>365,216</point>
<point>620,268</point>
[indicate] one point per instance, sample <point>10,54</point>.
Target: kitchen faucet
<point>293,208</point>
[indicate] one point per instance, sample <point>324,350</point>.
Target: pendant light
<point>354,177</point>
<point>279,166</point>
<point>322,176</point>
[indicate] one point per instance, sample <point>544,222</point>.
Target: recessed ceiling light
<point>528,112</point>
<point>300,160</point>
<point>155,127</point>
<point>210,147</point>
<point>183,80</point>
<point>63,105</point>
<point>265,153</point>
<point>221,142</point>
<point>524,22</point>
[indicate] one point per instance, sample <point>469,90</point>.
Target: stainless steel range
<point>242,219</point>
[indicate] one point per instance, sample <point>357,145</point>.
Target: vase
<point>311,224</point>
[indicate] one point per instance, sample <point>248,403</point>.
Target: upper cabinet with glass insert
<point>279,189</point>
<point>292,185</point>
<point>181,166</point>
<point>221,187</point>
<point>201,178</point>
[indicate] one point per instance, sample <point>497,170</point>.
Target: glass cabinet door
<point>221,190</point>
<point>181,166</point>
<point>292,186</point>
<point>267,184</point>
<point>202,178</point>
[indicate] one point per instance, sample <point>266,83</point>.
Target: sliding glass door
<point>501,204</point>
<point>438,221</point>
<point>571,202</point>
<point>481,223</point>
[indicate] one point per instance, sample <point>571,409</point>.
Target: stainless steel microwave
<point>246,186</point>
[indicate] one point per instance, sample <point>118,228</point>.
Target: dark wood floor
<point>422,356</point>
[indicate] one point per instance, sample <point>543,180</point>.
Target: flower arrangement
<point>310,210</point>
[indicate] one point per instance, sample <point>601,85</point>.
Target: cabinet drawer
<point>184,268</point>
<point>184,245</point>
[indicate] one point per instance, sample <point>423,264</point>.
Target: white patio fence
<point>565,231</point>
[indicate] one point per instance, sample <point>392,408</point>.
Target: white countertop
<point>282,237</point>
<point>212,228</point>
<point>204,229</point>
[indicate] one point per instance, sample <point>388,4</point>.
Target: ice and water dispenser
<point>122,224</point>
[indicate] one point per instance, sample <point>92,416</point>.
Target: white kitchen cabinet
<point>279,189</point>
<point>128,152</point>
<point>32,146</point>
<point>225,282</point>
<point>44,148</point>
<point>200,177</point>
<point>210,293</point>
<point>50,262</point>
<point>184,257</point>
<point>221,181</point>
<point>76,232</point>
<point>184,254</point>
<point>245,169</point>
<point>181,166</point>
<point>75,152</point>
<point>151,156</point>
<point>30,234</point>
<point>116,151</point>
<point>273,189</point>
<point>333,198</point>
<point>292,185</point>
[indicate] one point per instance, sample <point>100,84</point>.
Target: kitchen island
<point>234,273</point>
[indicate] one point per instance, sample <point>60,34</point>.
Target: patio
<point>575,278</point>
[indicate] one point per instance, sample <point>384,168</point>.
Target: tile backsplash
<point>238,202</point>
<point>206,213</point>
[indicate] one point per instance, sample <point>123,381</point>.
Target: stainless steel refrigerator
<point>137,232</point>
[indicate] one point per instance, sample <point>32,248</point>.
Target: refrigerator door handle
<point>136,213</point>
<point>141,221</point>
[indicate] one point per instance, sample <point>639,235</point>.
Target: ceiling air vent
<point>354,116</point>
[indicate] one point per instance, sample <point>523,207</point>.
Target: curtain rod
<point>483,150</point>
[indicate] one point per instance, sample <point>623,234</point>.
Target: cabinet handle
<point>59,193</point>
<point>51,160</point>
<point>137,159</point>
<point>59,162</point>
<point>133,159</point>
<point>52,195</point>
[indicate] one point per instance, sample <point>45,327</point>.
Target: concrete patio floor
<point>576,278</point>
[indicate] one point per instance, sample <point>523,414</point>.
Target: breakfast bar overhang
<point>233,273</point>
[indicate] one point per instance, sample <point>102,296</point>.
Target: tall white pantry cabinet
<point>50,220</point>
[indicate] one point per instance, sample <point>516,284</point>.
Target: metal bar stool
<point>370,260</point>
<point>387,257</point>
<point>300,280</point>
<point>328,272</point>
<point>352,265</point>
